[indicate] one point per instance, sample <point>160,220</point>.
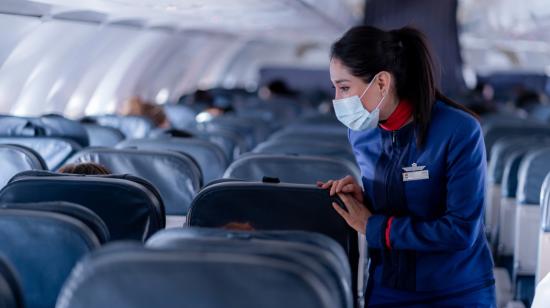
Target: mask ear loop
<point>368,87</point>
<point>383,97</point>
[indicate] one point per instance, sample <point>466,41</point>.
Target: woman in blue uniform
<point>423,164</point>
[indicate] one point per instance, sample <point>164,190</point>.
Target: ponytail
<point>406,55</point>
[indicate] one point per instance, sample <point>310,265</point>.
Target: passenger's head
<point>276,88</point>
<point>84,168</point>
<point>239,226</point>
<point>136,107</point>
<point>397,64</point>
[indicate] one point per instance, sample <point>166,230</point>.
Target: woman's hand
<point>357,214</point>
<point>346,185</point>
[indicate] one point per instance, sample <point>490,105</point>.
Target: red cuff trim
<point>388,228</point>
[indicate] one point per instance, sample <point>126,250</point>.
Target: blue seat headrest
<point>239,274</point>
<point>266,206</point>
<point>130,207</point>
<point>45,126</point>
<point>209,156</point>
<point>532,171</point>
<point>17,158</point>
<point>79,212</point>
<point>175,175</point>
<point>43,247</point>
<point>54,151</point>
<point>290,168</point>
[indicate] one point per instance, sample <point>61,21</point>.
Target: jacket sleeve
<point>460,225</point>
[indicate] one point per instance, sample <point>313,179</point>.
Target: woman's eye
<point>344,89</point>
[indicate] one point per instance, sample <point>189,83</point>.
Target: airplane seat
<point>540,113</point>
<point>241,274</point>
<point>17,158</point>
<point>543,259</point>
<point>43,247</point>
<point>502,235</point>
<point>133,127</point>
<point>209,156</point>
<point>54,151</point>
<point>318,128</point>
<point>291,168</point>
<point>103,136</point>
<point>253,130</point>
<point>45,126</point>
<point>176,176</point>
<point>304,136</point>
<point>180,116</point>
<point>495,130</point>
<point>232,144</point>
<point>318,118</point>
<point>334,254</point>
<point>499,153</point>
<point>10,285</point>
<point>275,206</point>
<point>79,212</point>
<point>324,249</point>
<point>310,147</point>
<point>130,207</point>
<point>506,225</point>
<point>532,173</point>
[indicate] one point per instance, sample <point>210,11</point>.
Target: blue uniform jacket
<point>435,241</point>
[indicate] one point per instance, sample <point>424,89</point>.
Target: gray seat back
<point>175,175</point>
<point>15,159</point>
<point>290,169</point>
<point>209,156</point>
<point>54,151</point>
<point>43,248</point>
<point>103,136</point>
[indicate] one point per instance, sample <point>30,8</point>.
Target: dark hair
<point>405,54</point>
<point>84,168</point>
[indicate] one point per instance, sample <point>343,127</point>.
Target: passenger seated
<point>137,107</point>
<point>84,168</point>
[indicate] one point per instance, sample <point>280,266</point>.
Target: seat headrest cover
<point>131,208</point>
<point>54,151</point>
<point>43,247</point>
<point>290,169</point>
<point>175,175</point>
<point>85,215</point>
<point>46,126</point>
<point>209,156</point>
<point>236,277</point>
<point>131,126</point>
<point>103,136</point>
<point>16,158</point>
<point>534,168</point>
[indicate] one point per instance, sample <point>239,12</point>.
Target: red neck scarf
<point>399,116</point>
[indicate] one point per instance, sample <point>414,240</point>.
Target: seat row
<point>65,232</point>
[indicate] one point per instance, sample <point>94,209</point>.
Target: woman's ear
<point>384,82</point>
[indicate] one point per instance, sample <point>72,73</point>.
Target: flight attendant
<point>423,164</point>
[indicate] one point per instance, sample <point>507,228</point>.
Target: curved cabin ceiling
<point>311,20</point>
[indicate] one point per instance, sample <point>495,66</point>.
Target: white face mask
<point>351,113</point>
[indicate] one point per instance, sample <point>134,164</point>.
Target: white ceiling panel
<point>317,20</point>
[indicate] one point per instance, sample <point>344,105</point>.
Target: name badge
<point>415,173</point>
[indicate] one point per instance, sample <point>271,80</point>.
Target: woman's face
<point>347,85</point>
